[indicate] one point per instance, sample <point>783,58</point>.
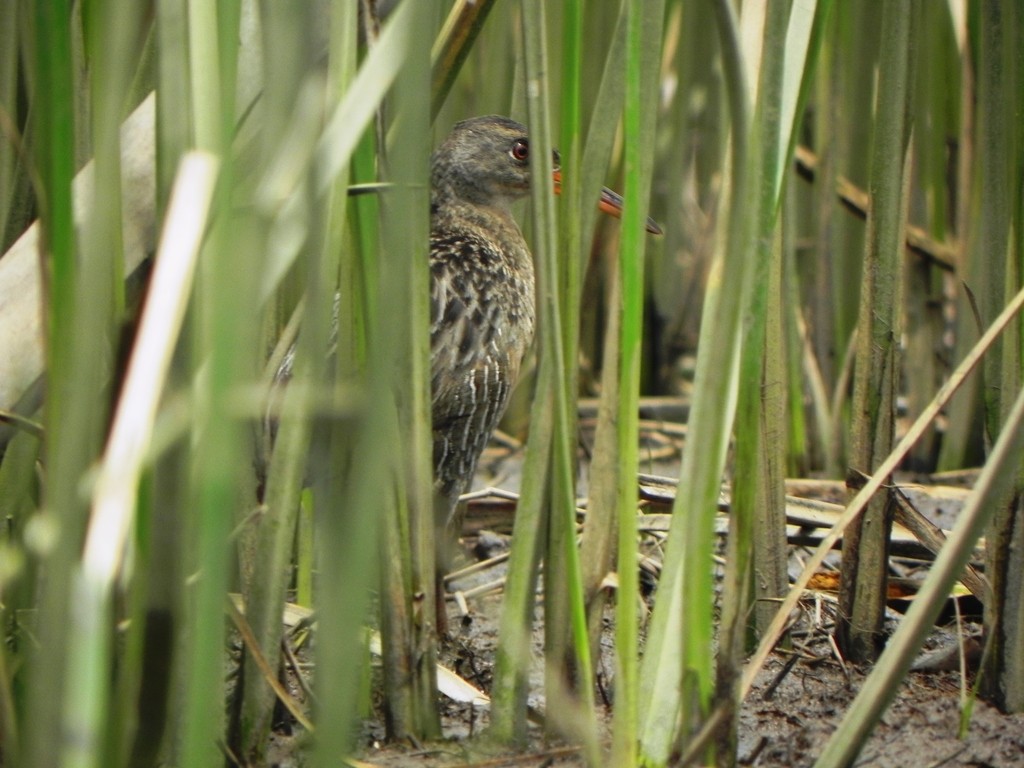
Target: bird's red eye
<point>520,150</point>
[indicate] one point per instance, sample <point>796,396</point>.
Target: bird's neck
<point>453,215</point>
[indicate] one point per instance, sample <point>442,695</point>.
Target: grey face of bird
<point>485,160</point>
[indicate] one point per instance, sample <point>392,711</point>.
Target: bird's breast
<point>482,302</point>
<point>482,315</point>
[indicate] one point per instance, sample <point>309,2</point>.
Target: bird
<point>481,300</point>
<point>482,305</point>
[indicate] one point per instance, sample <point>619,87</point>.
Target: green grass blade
<point>598,543</point>
<point>404,292</point>
<point>344,129</point>
<point>566,643</point>
<point>116,487</point>
<point>292,96</point>
<point>348,547</point>
<point>677,651</point>
<point>223,343</point>
<point>173,134</point>
<point>508,722</point>
<point>564,618</point>
<point>72,435</point>
<point>14,213</point>
<point>453,45</point>
<point>862,590</point>
<point>643,57</point>
<point>1000,254</point>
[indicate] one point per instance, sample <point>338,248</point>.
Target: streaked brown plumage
<point>482,296</point>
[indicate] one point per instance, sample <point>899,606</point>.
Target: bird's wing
<point>466,359</point>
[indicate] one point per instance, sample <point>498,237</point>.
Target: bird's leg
<point>448,515</point>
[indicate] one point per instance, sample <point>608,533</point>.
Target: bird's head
<point>484,160</point>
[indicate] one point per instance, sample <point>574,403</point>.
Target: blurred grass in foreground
<point>116,639</point>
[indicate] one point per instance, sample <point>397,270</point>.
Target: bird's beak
<point>609,202</point>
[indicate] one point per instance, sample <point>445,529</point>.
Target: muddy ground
<point>797,701</point>
<point>785,721</point>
